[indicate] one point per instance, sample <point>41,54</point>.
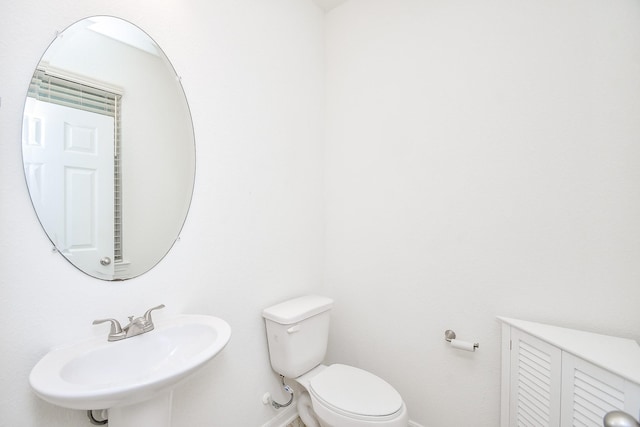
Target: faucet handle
<point>116,330</point>
<point>115,325</point>
<point>147,315</point>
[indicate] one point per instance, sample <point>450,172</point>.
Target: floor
<point>296,423</point>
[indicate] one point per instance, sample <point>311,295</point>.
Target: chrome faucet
<point>136,326</point>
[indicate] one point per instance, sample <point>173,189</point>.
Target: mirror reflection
<point>108,148</point>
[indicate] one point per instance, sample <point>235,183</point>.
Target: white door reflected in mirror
<point>69,156</point>
<point>108,148</point>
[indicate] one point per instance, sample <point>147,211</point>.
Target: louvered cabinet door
<point>535,382</point>
<point>589,392</point>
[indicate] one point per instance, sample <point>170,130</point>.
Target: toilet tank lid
<point>297,309</point>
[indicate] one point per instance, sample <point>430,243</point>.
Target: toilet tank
<point>297,333</point>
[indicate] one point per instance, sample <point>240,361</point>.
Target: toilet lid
<point>355,391</point>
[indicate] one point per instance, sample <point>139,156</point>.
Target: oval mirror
<point>108,148</point>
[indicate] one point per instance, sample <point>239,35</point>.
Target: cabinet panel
<point>535,382</point>
<point>565,378</point>
<point>589,392</point>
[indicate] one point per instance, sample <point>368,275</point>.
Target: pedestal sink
<point>132,378</point>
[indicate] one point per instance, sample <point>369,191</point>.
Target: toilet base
<point>306,412</point>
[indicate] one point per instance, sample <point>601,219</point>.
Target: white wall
<point>253,74</point>
<point>482,159</point>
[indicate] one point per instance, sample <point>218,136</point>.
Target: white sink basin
<point>97,374</point>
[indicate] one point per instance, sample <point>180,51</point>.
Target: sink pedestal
<point>155,412</point>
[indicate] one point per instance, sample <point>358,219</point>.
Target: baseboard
<point>284,417</point>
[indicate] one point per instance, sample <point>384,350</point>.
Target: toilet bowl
<point>346,396</point>
<point>336,395</point>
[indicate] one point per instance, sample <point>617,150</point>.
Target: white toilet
<point>336,395</point>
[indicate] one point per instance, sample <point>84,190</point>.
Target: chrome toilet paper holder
<point>451,335</point>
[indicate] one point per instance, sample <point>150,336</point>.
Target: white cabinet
<point>589,392</point>
<point>534,382</point>
<point>558,377</point>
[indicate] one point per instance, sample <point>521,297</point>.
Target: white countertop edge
<point>620,356</point>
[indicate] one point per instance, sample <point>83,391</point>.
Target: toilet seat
<point>355,393</point>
